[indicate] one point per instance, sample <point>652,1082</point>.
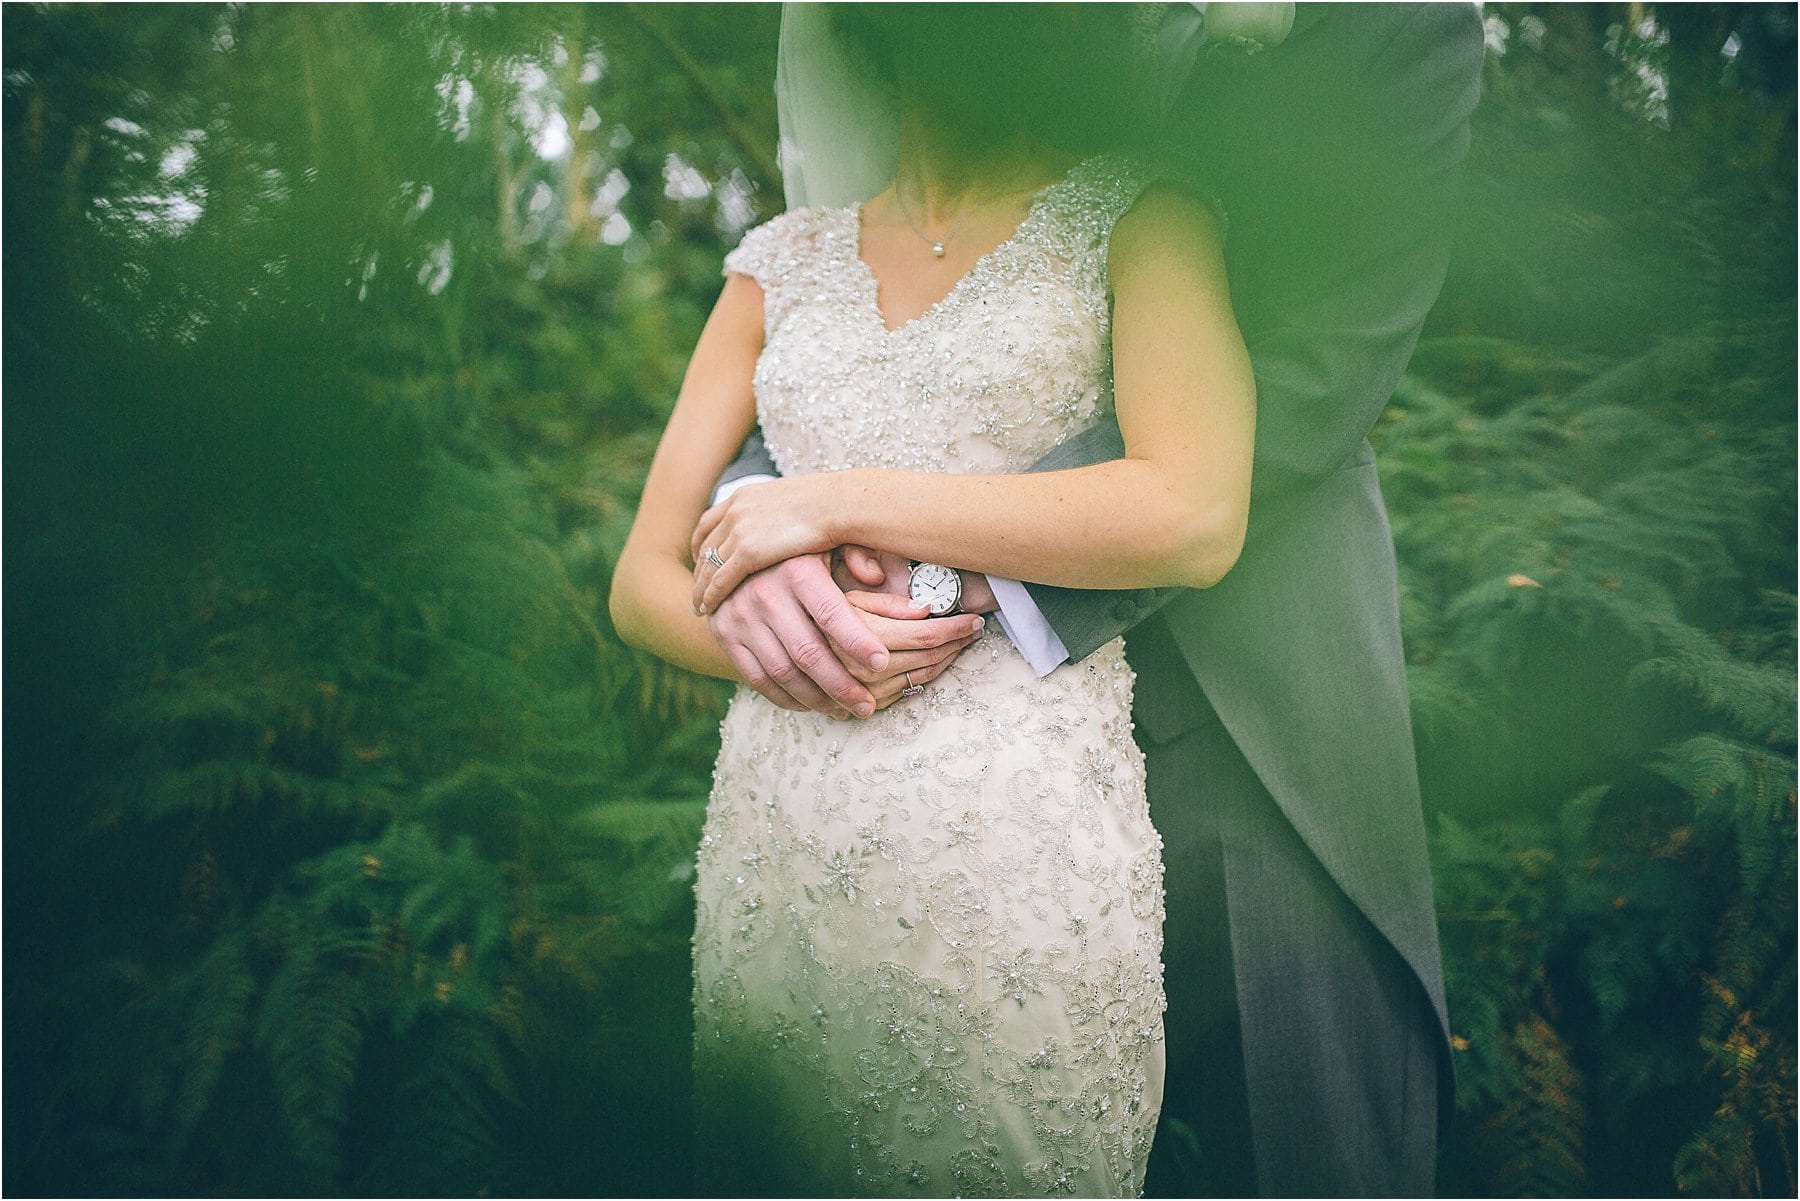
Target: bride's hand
<point>758,526</point>
<point>908,634</point>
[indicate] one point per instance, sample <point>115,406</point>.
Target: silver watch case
<point>939,587</point>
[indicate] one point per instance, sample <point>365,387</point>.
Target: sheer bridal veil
<point>839,130</point>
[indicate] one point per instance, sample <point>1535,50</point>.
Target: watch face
<point>937,587</point>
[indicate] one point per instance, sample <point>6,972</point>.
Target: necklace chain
<point>937,244</point>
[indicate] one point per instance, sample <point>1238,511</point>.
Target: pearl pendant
<point>937,248</point>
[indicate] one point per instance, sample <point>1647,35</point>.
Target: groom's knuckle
<point>813,656</point>
<point>828,608</point>
<point>832,612</point>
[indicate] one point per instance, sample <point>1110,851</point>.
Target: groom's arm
<point>1344,234</point>
<point>1008,600</point>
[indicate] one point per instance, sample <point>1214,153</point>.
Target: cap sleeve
<point>1116,184</point>
<point>787,257</point>
<point>757,255</point>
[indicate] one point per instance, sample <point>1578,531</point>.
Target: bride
<point>928,945</point>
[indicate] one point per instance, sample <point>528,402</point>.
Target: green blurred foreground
<point>347,850</point>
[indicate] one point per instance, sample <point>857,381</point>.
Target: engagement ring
<point>911,688</point>
<point>712,556</point>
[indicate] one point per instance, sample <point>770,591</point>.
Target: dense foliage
<point>348,849</point>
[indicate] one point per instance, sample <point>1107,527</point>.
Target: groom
<point>1308,1043</point>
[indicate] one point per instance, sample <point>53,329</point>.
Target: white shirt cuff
<point>730,486</point>
<point>1024,623</point>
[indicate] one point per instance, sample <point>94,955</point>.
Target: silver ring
<point>712,556</point>
<point>911,688</point>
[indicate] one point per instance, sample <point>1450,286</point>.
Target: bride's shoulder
<point>1167,224</point>
<point>1139,196</point>
<point>767,250</point>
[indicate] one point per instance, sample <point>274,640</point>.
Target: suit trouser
<point>1302,1053</point>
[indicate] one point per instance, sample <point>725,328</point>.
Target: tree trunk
<point>579,221</point>
<point>506,177</point>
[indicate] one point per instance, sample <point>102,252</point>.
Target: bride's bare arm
<point>1172,512</point>
<point>714,411</point>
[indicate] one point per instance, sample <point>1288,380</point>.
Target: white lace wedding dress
<point>928,950</point>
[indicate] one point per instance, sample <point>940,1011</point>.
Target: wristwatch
<point>936,587</point>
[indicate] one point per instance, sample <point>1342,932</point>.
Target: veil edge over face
<point>840,130</point>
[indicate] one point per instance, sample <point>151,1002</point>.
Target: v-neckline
<point>874,282</point>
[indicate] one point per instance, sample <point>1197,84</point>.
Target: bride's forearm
<point>1121,524</point>
<point>1128,523</point>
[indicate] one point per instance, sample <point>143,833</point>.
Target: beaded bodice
<point>1014,359</point>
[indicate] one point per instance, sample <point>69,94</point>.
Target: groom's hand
<point>779,628</point>
<point>796,638</point>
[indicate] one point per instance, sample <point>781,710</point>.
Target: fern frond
<point>217,1023</point>
<point>1727,1155</point>
<point>309,1029</point>
<point>462,1080</point>
<point>1667,369</point>
<point>248,787</point>
<point>1539,1136</point>
<point>1758,699</point>
<point>1751,787</point>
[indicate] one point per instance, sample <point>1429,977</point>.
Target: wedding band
<point>911,688</point>
<point>712,556</point>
